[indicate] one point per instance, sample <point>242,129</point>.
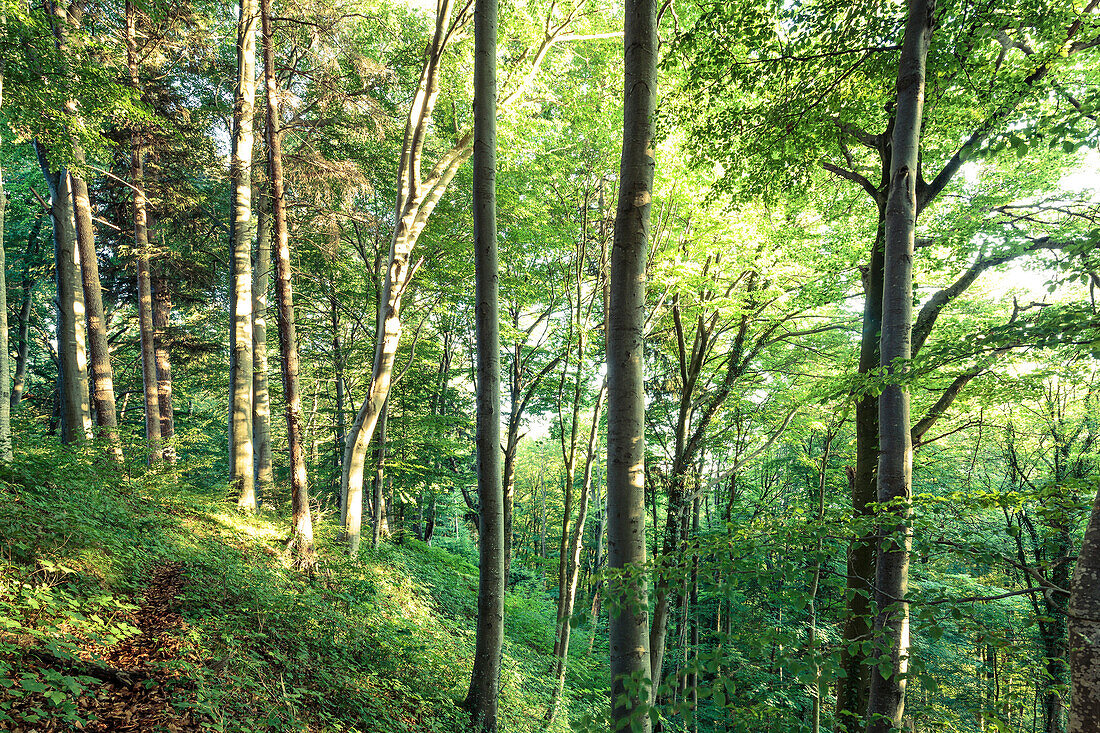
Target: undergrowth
<point>381,643</point>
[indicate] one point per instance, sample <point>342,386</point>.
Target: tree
<point>301,522</point>
<point>76,420</point>
<point>6,453</point>
<point>1084,624</point>
<point>417,198</point>
<point>629,630</point>
<point>483,696</point>
<point>261,398</point>
<point>886,701</point>
<point>242,470</point>
<point>146,325</point>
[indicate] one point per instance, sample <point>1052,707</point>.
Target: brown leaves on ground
<point>142,676</point>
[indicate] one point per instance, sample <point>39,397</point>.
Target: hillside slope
<point>142,606</point>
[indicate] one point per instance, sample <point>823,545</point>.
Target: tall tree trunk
<point>1084,631</point>
<point>6,453</point>
<point>242,468</point>
<point>162,313</point>
<point>815,584</point>
<point>484,692</point>
<point>301,522</point>
<point>261,398</point>
<point>629,626</point>
<point>24,344</point>
<point>886,700</point>
<point>102,376</point>
<point>72,362</point>
<point>417,197</point>
<point>141,252</point>
<point>145,313</point>
<point>851,697</point>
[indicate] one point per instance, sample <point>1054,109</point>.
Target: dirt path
<point>141,677</point>
<point>146,703</point>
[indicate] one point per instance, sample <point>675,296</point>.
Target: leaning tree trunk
<point>261,398</point>
<point>301,523</point>
<point>629,632</point>
<point>416,199</point>
<point>886,700</point>
<point>484,693</point>
<point>240,361</point>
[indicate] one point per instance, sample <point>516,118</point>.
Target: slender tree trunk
<point>145,315</point>
<point>416,199</point>
<point>851,698</point>
<point>629,626</point>
<point>1084,631</point>
<point>576,543</point>
<point>338,371</point>
<point>24,344</point>
<point>692,677</point>
<point>484,692</point>
<point>141,252</point>
<point>72,363</point>
<point>302,523</point>
<point>242,468</point>
<point>379,527</point>
<point>162,314</point>
<point>102,376</point>
<point>261,399</point>
<point>886,700</point>
<point>6,453</point>
<point>815,584</point>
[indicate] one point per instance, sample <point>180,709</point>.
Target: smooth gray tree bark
<point>629,626</point>
<point>242,470</point>
<point>261,399</point>
<point>886,700</point>
<point>72,358</point>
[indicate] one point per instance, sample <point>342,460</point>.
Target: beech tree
<point>483,696</point>
<point>629,628</point>
<point>241,451</point>
<point>886,701</point>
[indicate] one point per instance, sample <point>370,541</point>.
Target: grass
<point>381,643</point>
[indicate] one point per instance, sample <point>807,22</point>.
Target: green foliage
<point>376,644</point>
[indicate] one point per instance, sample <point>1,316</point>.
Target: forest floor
<point>134,682</point>
<point>154,606</point>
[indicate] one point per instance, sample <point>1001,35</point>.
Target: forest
<point>391,366</point>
